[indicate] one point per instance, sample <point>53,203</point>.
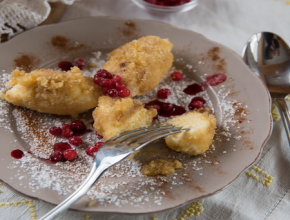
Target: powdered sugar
<point>123,183</point>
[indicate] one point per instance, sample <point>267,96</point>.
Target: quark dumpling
<point>53,91</point>
<point>198,139</point>
<point>141,63</point>
<point>116,115</point>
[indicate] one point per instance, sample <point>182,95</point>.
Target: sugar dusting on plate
<point>124,182</point>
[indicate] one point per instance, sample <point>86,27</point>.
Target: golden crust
<point>164,166</point>
<point>198,139</point>
<point>115,115</point>
<point>141,63</point>
<point>52,91</point>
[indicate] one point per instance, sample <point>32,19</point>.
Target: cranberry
<point>113,93</point>
<point>77,125</point>
<point>17,154</point>
<point>104,74</point>
<point>98,80</point>
<point>120,86</point>
<point>124,93</point>
<point>98,135</point>
<point>61,147</point>
<point>80,63</point>
<point>167,107</point>
<point>56,131</point>
<point>176,76</point>
<point>163,93</point>
<point>197,104</point>
<point>216,79</point>
<point>91,150</point>
<point>105,90</point>
<point>157,107</point>
<point>108,83</point>
<point>65,126</point>
<point>117,78</point>
<point>65,65</point>
<point>67,133</point>
<point>75,140</point>
<point>99,144</point>
<point>57,156</point>
<point>70,154</point>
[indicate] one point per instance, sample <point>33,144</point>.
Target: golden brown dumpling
<point>141,63</point>
<point>198,139</point>
<point>116,115</point>
<point>53,91</point>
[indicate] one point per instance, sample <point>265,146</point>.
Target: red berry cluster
<point>63,151</point>
<point>66,65</point>
<point>76,128</point>
<point>112,85</point>
<point>92,150</point>
<point>167,2</point>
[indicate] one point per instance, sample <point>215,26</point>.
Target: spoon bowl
<point>268,55</point>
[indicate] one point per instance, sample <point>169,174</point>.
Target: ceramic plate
<point>241,105</point>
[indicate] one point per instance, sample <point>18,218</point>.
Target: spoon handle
<point>282,105</point>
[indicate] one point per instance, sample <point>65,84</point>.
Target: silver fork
<point>113,151</point>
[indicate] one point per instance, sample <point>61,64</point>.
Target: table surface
<point>262,192</point>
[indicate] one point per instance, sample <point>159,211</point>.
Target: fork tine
<point>144,130</point>
<point>139,134</point>
<point>153,133</point>
<point>130,132</point>
<point>154,137</point>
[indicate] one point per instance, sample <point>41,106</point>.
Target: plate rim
<point>174,27</point>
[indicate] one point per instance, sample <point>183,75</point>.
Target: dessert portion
<point>198,139</point>
<point>115,115</point>
<point>141,63</point>
<point>53,91</point>
<point>163,166</point>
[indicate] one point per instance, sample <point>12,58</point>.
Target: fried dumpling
<point>141,63</point>
<point>53,91</point>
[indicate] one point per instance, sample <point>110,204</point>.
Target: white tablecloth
<point>262,192</point>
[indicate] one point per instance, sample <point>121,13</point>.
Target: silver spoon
<point>268,55</point>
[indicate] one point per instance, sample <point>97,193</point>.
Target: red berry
<point>80,63</point>
<point>120,86</point>
<point>105,90</point>
<point>113,93</point>
<point>104,74</point>
<point>56,131</point>
<point>70,154</point>
<point>163,93</point>
<point>98,135</point>
<point>75,140</point>
<point>117,78</point>
<point>56,156</point>
<point>99,144</point>
<point>216,79</point>
<point>67,133</point>
<point>65,126</point>
<point>176,76</point>
<point>157,107</point>
<point>60,147</point>
<point>124,93</point>
<point>197,104</point>
<point>98,80</point>
<point>77,125</point>
<point>91,150</point>
<point>65,65</point>
<point>167,107</point>
<point>108,83</point>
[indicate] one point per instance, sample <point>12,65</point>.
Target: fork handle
<point>93,176</point>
